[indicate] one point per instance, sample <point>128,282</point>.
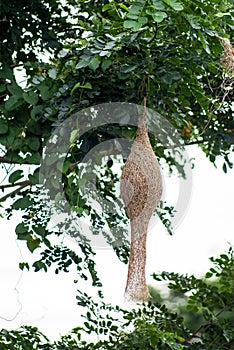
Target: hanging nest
<point>227,60</point>
<point>141,190</point>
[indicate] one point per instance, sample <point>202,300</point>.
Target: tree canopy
<point>63,58</point>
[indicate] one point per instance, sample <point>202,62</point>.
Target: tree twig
<point>155,29</point>
<point>194,334</point>
<point>6,160</point>
<point>20,183</point>
<point>14,65</point>
<point>188,144</point>
<point>195,143</point>
<point>25,184</point>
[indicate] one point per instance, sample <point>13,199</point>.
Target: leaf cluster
<point>151,325</point>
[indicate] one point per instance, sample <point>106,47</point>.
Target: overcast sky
<point>48,301</point>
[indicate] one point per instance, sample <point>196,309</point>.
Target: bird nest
<point>227,60</point>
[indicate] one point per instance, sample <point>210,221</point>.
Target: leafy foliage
<point>25,338</point>
<point>152,325</point>
<point>213,300</point>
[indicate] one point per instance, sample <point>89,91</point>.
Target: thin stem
<point>155,30</point>
<point>188,144</point>
<point>6,160</point>
<point>20,183</point>
<point>14,65</point>
<point>25,184</point>
<point>193,335</point>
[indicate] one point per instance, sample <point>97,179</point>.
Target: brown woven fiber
<point>141,190</point>
<point>227,60</point>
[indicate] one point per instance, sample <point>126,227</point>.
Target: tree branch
<point>194,334</point>
<point>23,185</point>
<point>20,183</point>
<point>16,65</point>
<point>196,142</point>
<point>188,144</point>
<point>6,160</point>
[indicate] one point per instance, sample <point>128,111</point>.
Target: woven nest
<point>227,60</point>
<point>141,190</point>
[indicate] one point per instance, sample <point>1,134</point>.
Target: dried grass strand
<point>227,60</point>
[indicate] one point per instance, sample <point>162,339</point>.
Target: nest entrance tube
<point>141,190</point>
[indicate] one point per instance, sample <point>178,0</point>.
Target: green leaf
<point>2,88</point>
<point>107,7</point>
<point>159,16</point>
<point>23,265</point>
<point>22,203</point>
<point>55,183</point>
<point>30,97</point>
<point>128,69</point>
<point>123,6</point>
<point>132,16</point>
<point>142,20</point>
<point>23,236</point>
<point>51,159</point>
<point>47,89</point>
<point>75,87</point>
<point>208,275</point>
<point>39,265</point>
<point>129,24</point>
<point>86,86</point>
<point>6,72</point>
<point>94,63</point>
<point>34,178</point>
<point>204,42</point>
<point>82,64</point>
<point>224,257</point>
<point>176,5</point>
<point>33,143</point>
<point>106,64</point>
<point>35,158</point>
<point>59,165</point>
<point>36,111</point>
<point>15,90</point>
<point>21,228</point>
<point>193,21</point>
<point>175,75</point>
<point>16,175</point>
<point>33,243</point>
<point>225,167</point>
<point>46,242</point>
<point>167,78</point>
<point>52,73</point>
<point>3,127</point>
<point>40,230</point>
<point>74,135</point>
<point>12,103</point>
<point>135,25</point>
<point>136,8</point>
<point>201,98</point>
<point>158,4</point>
<point>78,85</point>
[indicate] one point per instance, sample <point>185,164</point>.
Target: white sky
<point>48,300</point>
